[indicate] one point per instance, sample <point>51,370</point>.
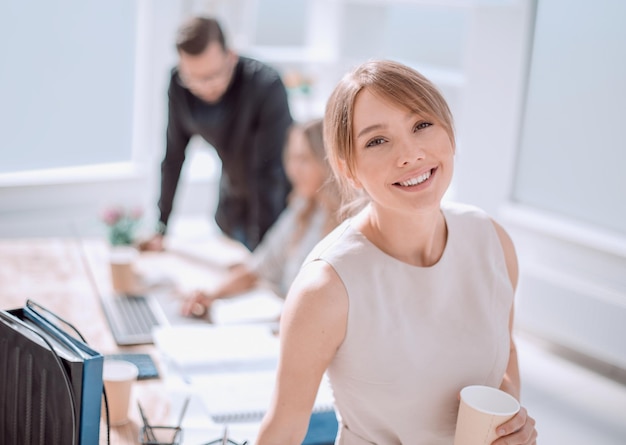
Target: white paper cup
<point>482,410</point>
<point>118,377</point>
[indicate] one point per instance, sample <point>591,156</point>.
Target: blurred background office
<point>537,88</point>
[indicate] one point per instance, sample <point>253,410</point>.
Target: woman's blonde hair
<point>390,81</point>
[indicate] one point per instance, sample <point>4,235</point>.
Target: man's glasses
<point>219,76</point>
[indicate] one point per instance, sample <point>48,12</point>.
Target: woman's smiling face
<point>404,161</point>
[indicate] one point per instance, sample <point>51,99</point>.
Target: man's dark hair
<point>197,33</point>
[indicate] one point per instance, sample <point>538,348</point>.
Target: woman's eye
<point>422,125</point>
<point>376,141</point>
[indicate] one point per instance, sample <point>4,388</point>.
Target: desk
<point>51,272</point>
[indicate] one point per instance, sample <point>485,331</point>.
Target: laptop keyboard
<point>131,319</point>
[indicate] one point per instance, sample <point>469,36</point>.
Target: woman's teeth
<point>415,181</point>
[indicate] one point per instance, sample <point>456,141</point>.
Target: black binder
<point>50,381</point>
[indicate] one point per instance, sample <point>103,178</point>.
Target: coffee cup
<point>123,277</point>
<point>481,411</point>
<point>118,377</point>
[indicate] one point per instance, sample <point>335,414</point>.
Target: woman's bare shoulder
<point>317,300</point>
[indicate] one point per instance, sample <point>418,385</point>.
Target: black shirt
<point>247,127</point>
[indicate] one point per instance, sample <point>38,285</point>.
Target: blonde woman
<point>311,213</point>
<point>409,300</point>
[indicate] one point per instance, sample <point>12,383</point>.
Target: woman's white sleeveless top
<point>417,335</point>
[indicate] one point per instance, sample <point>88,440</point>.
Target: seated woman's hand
<point>197,304</point>
<point>519,430</point>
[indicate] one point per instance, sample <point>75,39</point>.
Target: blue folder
<point>76,400</point>
<point>322,429</point>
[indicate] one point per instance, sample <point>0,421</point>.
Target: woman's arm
<point>313,326</point>
<point>511,381</point>
<point>267,262</point>
<point>521,428</point>
<point>238,279</point>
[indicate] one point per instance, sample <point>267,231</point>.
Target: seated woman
<point>310,215</point>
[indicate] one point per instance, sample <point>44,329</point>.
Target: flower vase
<point>123,277</point>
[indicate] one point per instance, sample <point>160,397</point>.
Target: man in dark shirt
<point>240,107</point>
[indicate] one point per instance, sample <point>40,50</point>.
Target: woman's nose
<point>410,152</point>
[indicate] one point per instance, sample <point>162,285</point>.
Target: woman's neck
<point>417,238</point>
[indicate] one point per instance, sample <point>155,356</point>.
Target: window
<point>66,86</point>
<point>572,153</point>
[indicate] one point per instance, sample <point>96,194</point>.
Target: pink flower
<point>136,213</point>
<point>122,223</point>
<point>112,215</point>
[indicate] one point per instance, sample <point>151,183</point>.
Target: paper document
<point>245,396</point>
<point>198,427</point>
<point>256,305</point>
<point>218,348</point>
<point>212,249</point>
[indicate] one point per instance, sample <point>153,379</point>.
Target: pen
<point>146,425</point>
<point>182,413</point>
<point>225,437</point>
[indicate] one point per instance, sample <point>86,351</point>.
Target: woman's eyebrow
<point>409,116</point>
<point>369,129</point>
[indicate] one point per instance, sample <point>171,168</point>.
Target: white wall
<point>567,210</point>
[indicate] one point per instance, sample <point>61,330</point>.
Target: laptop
<point>132,318</point>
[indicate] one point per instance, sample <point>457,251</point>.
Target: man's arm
<point>177,139</point>
<point>270,185</point>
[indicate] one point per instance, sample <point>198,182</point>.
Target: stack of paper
<point>256,305</point>
<point>231,368</point>
<point>201,349</point>
<point>245,396</point>
<point>198,427</point>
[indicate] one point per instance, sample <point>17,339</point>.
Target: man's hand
<point>152,244</point>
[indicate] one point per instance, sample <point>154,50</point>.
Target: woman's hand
<point>197,304</point>
<point>519,430</point>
